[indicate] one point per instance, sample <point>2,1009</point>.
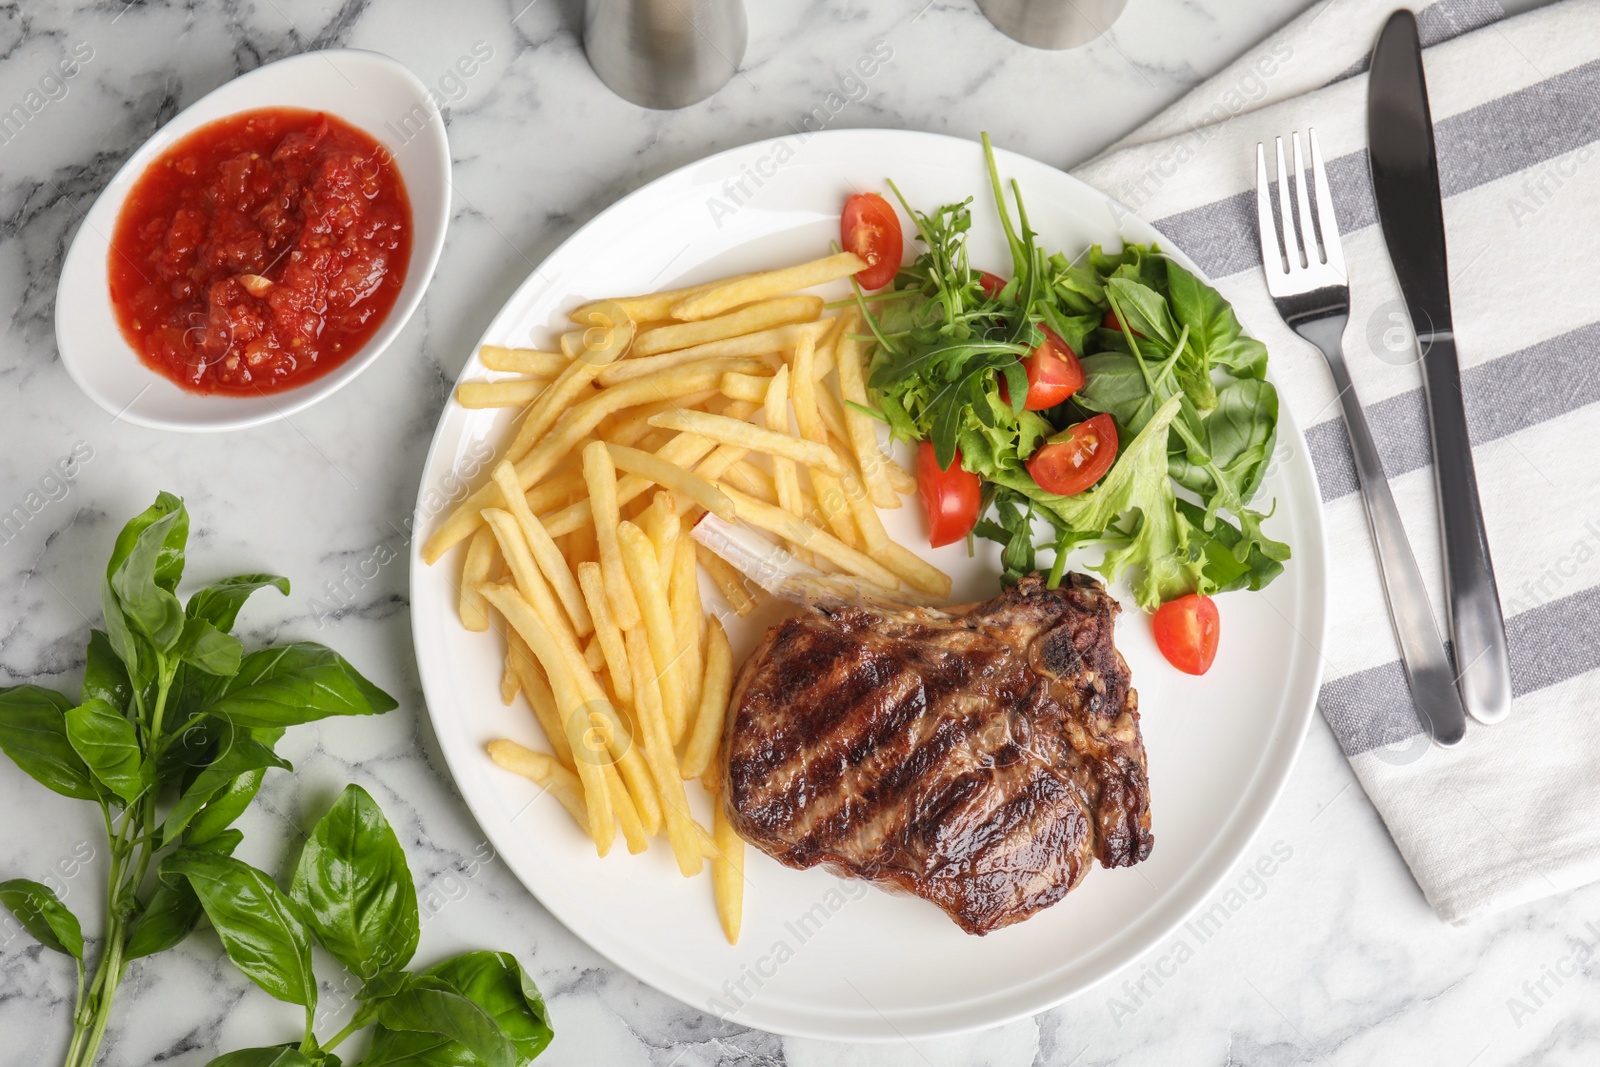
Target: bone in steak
<point>979,760</point>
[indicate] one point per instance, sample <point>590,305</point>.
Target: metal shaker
<point>664,53</point>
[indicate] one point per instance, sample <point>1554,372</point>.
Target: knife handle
<point>1477,628</point>
<point>1422,652</point>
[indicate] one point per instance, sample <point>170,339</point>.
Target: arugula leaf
<point>355,887</point>
<point>42,914</point>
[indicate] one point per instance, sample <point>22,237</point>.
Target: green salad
<point>972,365</point>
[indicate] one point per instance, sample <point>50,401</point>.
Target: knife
<point>1405,182</point>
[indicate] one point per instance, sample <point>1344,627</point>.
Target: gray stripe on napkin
<point>1503,396</point>
<point>1549,644</point>
<point>1506,135</point>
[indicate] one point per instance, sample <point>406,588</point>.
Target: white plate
<point>821,956</point>
<point>367,90</point>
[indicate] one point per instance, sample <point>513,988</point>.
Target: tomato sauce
<point>260,251</point>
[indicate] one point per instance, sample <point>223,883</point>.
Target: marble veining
<point>1333,958</point>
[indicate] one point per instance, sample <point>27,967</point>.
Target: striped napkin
<point>1513,813</point>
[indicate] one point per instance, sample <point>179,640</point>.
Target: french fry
<point>508,681</point>
<point>644,572</point>
<point>766,284</point>
<point>602,344</point>
<point>565,435</point>
<point>653,307</point>
<point>635,426</point>
<point>861,430</point>
<point>689,485</point>
<point>688,616</point>
<point>905,483</point>
<point>714,690</point>
<point>593,656</point>
<point>747,477</point>
<point>523,361</point>
<point>658,754</point>
<point>601,476</point>
<point>731,431</point>
<point>745,386</point>
<point>544,551</point>
<point>832,500</point>
<point>627,815</point>
<point>522,618</point>
<point>660,523</point>
<point>475,570</point>
<point>557,780</point>
<point>917,572</point>
<point>874,538</point>
<point>606,630</point>
<point>728,580</point>
<point>753,319</point>
<point>511,393</point>
<point>536,690</point>
<point>805,535</point>
<point>744,349</point>
<point>727,872</point>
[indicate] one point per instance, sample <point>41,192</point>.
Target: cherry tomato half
<point>990,283</point>
<point>1186,631</point>
<point>870,228</point>
<point>1054,374</point>
<point>1111,322</point>
<point>1075,458</point>
<point>949,497</point>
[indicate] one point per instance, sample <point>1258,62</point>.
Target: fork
<point>1311,291</point>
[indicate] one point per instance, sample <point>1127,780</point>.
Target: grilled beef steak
<point>978,760</point>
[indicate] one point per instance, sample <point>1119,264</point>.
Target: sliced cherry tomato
<point>1111,322</point>
<point>1054,374</point>
<point>990,283</point>
<point>1186,631</point>
<point>949,497</point>
<point>870,228</point>
<point>1075,458</point>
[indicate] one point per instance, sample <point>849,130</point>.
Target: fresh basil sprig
<point>353,894</point>
<point>173,717</point>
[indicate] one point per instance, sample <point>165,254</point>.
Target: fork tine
<point>1302,197</point>
<point>1331,244</point>
<point>1271,254</point>
<point>1291,247</point>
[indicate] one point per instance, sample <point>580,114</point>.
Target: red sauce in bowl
<point>260,251</point>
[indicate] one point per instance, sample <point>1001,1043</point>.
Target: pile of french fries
<point>738,397</point>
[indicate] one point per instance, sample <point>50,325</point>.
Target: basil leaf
<point>33,732</point>
<point>104,676</point>
<point>223,808</point>
<point>120,636</point>
<point>144,574</point>
<point>43,915</point>
<point>277,1056</point>
<point>244,754</point>
<point>1145,311</point>
<point>496,982</point>
<point>206,648</point>
<point>169,557</point>
<point>109,744</point>
<point>261,929</point>
<point>353,883</point>
<point>294,684</point>
<point>219,603</point>
<point>437,1026</point>
<point>173,910</point>
<point>1213,326</point>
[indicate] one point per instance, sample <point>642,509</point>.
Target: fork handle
<point>1477,628</point>
<point>1422,652</point>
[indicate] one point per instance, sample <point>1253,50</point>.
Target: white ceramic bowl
<point>365,89</point>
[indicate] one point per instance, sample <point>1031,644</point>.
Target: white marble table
<point>1334,958</point>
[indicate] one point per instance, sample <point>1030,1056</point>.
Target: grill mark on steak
<point>979,761</point>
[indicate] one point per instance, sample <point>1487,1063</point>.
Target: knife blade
<point>1405,182</point>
